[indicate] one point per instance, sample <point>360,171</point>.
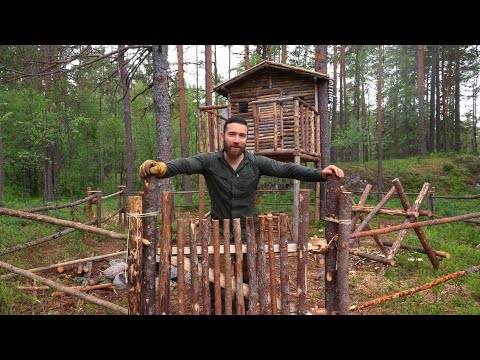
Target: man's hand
<point>332,169</point>
<point>152,167</point>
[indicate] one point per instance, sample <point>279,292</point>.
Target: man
<point>232,174</point>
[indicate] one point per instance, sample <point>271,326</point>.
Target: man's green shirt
<point>232,193</point>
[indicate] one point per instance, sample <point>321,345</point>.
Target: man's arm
<point>280,169</point>
<point>188,166</point>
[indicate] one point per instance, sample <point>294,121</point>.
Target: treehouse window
<point>243,107</point>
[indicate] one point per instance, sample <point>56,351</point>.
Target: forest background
<point>73,116</point>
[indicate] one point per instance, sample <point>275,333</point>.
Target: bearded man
<point>232,175</point>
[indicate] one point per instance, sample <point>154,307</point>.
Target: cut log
<point>85,289</point>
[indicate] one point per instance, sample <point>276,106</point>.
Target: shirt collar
<point>246,158</point>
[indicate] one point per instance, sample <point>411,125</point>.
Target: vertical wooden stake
<point>344,217</point>
<point>331,236</point>
<point>135,246</point>
<point>261,265</point>
<point>150,232</point>
<point>165,254</point>
<point>237,235</point>
<point>89,210</point>
<point>180,267</point>
<point>194,268</point>
<point>99,208</point>
<point>271,258</point>
<point>228,267</point>
<point>252,266</point>
<point>284,277</point>
<point>302,250</point>
<point>204,240</point>
<point>216,267</point>
<point>119,205</point>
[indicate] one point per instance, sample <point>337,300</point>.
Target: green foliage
<point>448,167</point>
<point>10,297</point>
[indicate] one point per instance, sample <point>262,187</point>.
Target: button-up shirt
<point>232,192</point>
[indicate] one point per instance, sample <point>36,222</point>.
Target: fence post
<point>150,232</point>
<point>124,204</point>
<point>303,223</point>
<point>165,253</point>
<point>344,229</point>
<point>432,201</point>
<point>331,234</point>
<point>135,232</point>
<point>99,208</point>
<point>120,204</point>
<point>89,210</point>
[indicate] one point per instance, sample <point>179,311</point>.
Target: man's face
<point>235,139</point>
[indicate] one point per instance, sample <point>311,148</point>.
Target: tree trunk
<point>458,144</point>
<point>356,100</point>
<point>379,122</point>
<point>162,111</point>
<point>100,136</point>
<point>183,121</point>
<point>229,61</point>
<point>208,89</point>
<point>431,132</point>
<point>365,122</point>
<point>444,105</point>
<point>438,129</point>
<point>346,154</point>
<point>125,84</point>
<point>246,56</point>
<point>474,115</point>
<point>342,118</point>
<point>422,150</point>
<point>321,59</point>
<point>333,151</point>
<point>284,54</point>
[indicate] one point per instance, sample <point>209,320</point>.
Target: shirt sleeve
<point>187,166</point>
<point>280,169</point>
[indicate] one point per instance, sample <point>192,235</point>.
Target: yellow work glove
<point>152,167</point>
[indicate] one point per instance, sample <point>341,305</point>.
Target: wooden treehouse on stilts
<point>280,105</point>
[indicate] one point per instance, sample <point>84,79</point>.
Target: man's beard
<point>233,152</point>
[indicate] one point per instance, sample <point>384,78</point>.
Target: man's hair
<point>236,120</point>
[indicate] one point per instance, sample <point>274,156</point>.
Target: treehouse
<point>280,105</point>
